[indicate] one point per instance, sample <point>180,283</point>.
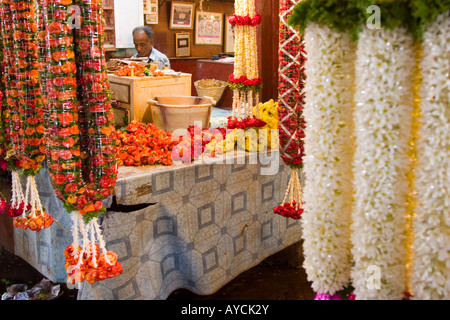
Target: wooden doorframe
<point>268,40</point>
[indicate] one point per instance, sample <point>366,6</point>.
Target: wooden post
<point>267,37</point>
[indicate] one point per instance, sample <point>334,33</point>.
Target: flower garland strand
<point>383,119</point>
<point>25,110</point>
<point>32,111</point>
<point>291,79</point>
<point>10,114</point>
<point>96,114</point>
<point>430,271</point>
<point>291,94</point>
<point>328,156</point>
<point>73,147</point>
<point>245,81</point>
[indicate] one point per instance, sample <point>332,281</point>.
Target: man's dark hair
<point>148,31</point>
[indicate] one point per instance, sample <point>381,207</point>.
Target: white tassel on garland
<point>32,198</point>
<point>327,192</point>
<point>431,263</point>
<point>384,105</point>
<point>17,196</point>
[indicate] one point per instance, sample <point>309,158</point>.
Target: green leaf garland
<point>350,15</point>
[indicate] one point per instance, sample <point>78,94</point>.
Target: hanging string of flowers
<point>25,112</point>
<point>430,276</point>
<point>383,120</point>
<point>86,147</point>
<point>10,117</point>
<point>291,81</point>
<point>245,81</point>
<point>328,142</point>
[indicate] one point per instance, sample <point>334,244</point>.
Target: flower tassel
<point>292,205</point>
<point>89,260</point>
<point>34,216</point>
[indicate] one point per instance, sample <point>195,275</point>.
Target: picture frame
<point>229,36</point>
<point>151,11</point>
<point>208,28</point>
<point>181,15</point>
<point>183,44</point>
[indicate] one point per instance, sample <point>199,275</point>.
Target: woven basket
<point>210,88</point>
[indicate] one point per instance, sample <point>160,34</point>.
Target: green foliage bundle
<point>350,15</point>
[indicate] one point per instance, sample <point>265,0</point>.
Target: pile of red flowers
<point>289,210</point>
<point>250,122</point>
<point>244,20</point>
<point>143,144</point>
<point>243,83</point>
<point>192,147</point>
<point>39,221</point>
<point>88,270</point>
<point>291,79</point>
<point>11,211</point>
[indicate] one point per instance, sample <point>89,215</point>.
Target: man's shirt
<point>156,56</point>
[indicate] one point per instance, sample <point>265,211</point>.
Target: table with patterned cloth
<point>199,226</point>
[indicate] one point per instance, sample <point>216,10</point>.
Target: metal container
<point>179,112</point>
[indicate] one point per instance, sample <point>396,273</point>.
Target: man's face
<point>142,44</point>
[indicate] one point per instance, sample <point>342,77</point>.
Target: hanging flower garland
<point>291,81</point>
<point>430,275</point>
<point>25,113</point>
<point>87,147</point>
<point>10,117</point>
<point>245,81</point>
<point>328,143</point>
<point>383,117</point>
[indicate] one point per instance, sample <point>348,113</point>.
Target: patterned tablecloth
<point>203,225</point>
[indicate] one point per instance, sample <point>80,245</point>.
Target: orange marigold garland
<point>25,111</point>
<point>88,147</point>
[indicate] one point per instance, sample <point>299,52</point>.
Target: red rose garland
<point>291,78</point>
<point>97,117</point>
<point>246,20</point>
<point>63,138</point>
<point>10,99</point>
<point>30,106</point>
<point>25,110</point>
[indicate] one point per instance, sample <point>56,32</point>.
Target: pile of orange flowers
<point>143,144</point>
<point>136,70</point>
<point>94,266</point>
<point>40,220</point>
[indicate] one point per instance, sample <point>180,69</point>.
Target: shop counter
<point>195,226</point>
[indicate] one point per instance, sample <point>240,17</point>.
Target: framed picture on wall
<point>151,11</point>
<point>229,36</point>
<point>182,43</point>
<point>208,28</point>
<point>181,15</point>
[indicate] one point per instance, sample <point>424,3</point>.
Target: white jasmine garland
<point>430,277</point>
<point>384,104</point>
<point>327,192</point>
<point>246,59</point>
